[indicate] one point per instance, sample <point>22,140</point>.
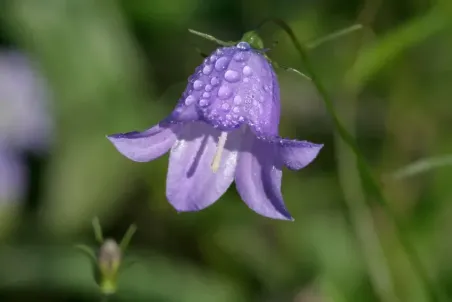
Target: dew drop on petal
<point>203,102</point>
<point>206,95</point>
<point>237,99</point>
<point>232,76</point>
<point>189,100</point>
<point>213,58</point>
<point>215,81</point>
<point>236,109</point>
<point>224,92</point>
<point>208,87</point>
<point>221,63</point>
<point>225,106</point>
<point>243,45</point>
<point>207,69</point>
<point>197,85</point>
<point>247,71</point>
<point>239,57</point>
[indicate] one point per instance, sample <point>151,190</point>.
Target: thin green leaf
<point>127,237</point>
<point>87,251</point>
<point>97,230</point>
<point>211,38</point>
<point>375,57</point>
<point>422,166</point>
<point>333,36</point>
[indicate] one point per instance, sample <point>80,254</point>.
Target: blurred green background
<point>115,66</point>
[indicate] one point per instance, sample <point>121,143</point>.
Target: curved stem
<point>371,184</point>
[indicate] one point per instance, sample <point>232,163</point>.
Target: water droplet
<point>206,95</point>
<point>247,71</point>
<point>221,63</point>
<point>224,92</point>
<point>213,58</point>
<point>240,57</point>
<point>241,119</point>
<point>267,88</point>
<point>208,87</point>
<point>198,84</point>
<point>243,45</point>
<point>246,80</point>
<point>207,69</point>
<point>232,76</point>
<point>228,116</point>
<point>236,109</point>
<point>189,100</point>
<point>215,81</point>
<point>237,99</point>
<point>203,102</point>
<point>225,106</point>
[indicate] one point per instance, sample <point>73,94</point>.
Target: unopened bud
<point>109,260</point>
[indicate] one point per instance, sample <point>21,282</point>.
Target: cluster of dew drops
<point>229,112</point>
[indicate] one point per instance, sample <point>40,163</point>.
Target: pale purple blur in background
<point>25,123</point>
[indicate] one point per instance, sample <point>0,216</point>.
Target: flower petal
<point>13,177</point>
<point>147,145</point>
<point>298,154</point>
<point>258,177</point>
<point>191,183</point>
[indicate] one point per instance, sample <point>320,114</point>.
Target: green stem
<point>364,169</point>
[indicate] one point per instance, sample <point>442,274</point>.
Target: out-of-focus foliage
<point>113,66</point>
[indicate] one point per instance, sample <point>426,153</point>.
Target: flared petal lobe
<point>191,184</point>
<point>258,177</point>
<point>147,145</point>
<point>297,154</point>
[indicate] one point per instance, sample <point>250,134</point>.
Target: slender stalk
<point>372,185</point>
<point>360,213</point>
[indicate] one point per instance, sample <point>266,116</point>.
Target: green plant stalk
<point>370,184</point>
<point>360,214</point>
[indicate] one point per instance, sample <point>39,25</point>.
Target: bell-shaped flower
<point>25,123</point>
<point>224,129</point>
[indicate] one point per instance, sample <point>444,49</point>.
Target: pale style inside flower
<point>220,147</point>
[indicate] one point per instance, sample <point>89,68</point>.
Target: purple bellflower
<point>224,129</point>
<point>25,123</point>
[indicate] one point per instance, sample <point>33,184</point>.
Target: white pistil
<point>217,157</point>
